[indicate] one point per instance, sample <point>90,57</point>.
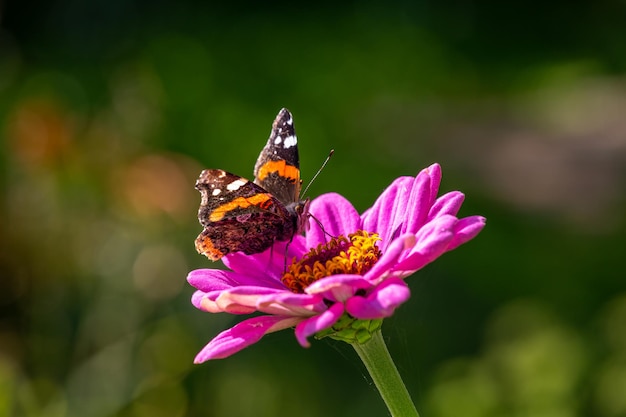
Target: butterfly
<point>243,216</point>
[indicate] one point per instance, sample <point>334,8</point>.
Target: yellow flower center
<point>355,254</point>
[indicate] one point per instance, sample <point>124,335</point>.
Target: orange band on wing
<point>279,167</point>
<point>257,200</point>
<point>205,246</point>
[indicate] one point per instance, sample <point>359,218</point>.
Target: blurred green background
<point>110,109</point>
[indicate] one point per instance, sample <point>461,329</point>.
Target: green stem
<point>385,375</point>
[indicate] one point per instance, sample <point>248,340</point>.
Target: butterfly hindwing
<point>238,216</point>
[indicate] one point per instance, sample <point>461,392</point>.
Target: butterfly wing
<point>277,169</point>
<point>238,216</point>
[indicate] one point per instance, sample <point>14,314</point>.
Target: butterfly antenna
<point>321,226</point>
<point>332,151</point>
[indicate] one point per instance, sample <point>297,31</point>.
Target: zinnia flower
<point>347,272</point>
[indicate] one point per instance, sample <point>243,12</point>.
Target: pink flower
<point>353,268</point>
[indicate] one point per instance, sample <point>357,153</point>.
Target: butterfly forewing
<point>278,167</point>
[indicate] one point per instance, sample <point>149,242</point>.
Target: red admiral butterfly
<point>243,216</point>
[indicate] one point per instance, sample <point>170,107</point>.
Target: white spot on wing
<point>277,140</point>
<point>290,141</point>
<point>216,191</point>
<point>235,185</point>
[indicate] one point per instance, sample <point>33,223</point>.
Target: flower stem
<point>385,375</point>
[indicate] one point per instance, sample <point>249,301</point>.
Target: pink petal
<point>338,287</point>
<point>216,280</point>
<point>290,304</point>
<point>390,257</point>
<point>337,215</point>
<point>449,203</point>
<point>295,248</point>
<point>382,217</point>
<point>415,211</point>
<point>413,263</point>
<point>239,300</point>
<point>310,326</point>
<point>466,229</point>
<point>404,206</point>
<point>432,241</point>
<point>434,171</point>
<point>243,335</point>
<point>268,266</point>
<point>382,302</point>
<point>206,302</point>
<point>441,228</point>
<point>243,298</point>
